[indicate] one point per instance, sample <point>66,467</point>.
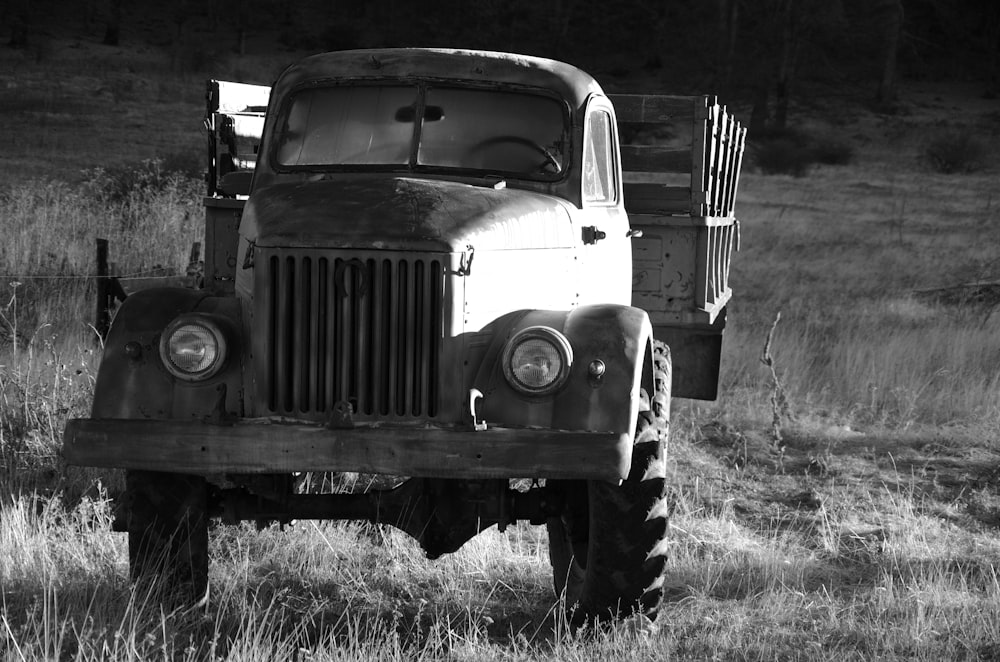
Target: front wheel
<point>168,531</point>
<point>608,547</point>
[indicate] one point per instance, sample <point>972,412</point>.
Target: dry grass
<point>841,254</point>
<point>869,532</point>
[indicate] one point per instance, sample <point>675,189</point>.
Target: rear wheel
<point>168,531</point>
<point>608,548</point>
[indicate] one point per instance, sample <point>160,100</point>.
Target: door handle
<point>633,233</point>
<point>591,235</point>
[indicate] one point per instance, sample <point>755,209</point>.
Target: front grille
<point>358,327</point>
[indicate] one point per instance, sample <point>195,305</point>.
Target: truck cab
<point>424,263</point>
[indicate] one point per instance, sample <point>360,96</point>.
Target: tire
<point>168,532</point>
<point>608,547</point>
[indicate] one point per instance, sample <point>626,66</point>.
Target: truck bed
<point>681,159</point>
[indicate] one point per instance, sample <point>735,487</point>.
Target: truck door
<point>606,252</point>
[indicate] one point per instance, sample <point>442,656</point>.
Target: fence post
<point>102,319</point>
<point>108,289</point>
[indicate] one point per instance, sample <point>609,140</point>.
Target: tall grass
<point>150,218</point>
<point>47,262</point>
<point>844,257</point>
<point>852,580</point>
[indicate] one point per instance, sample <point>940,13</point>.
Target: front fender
<point>140,386</point>
<point>619,336</point>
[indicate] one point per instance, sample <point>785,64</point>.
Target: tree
<point>791,29</point>
<point>112,33</point>
<point>889,14</point>
<point>16,14</point>
<point>728,24</point>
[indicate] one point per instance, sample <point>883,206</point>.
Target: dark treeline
<point>762,50</point>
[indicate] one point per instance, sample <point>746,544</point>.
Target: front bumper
<point>251,446</point>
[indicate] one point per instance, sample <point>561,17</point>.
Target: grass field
<point>866,528</point>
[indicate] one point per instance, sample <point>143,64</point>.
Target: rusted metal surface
<point>618,336</point>
<point>696,351</point>
<point>222,221</point>
<point>361,327</point>
<point>680,267</point>
<point>404,213</point>
<point>137,385</point>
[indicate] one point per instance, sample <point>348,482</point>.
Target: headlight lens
<point>193,348</point>
<point>537,360</point>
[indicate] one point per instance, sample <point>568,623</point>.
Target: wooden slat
<point>653,108</point>
<point>655,158</point>
<point>721,164</point>
<point>730,244</point>
<point>258,446</point>
<point>700,139</point>
<point>702,248</point>
<point>734,185</point>
<point>638,219</point>
<point>727,193</point>
<point>654,198</point>
<point>721,259</point>
<point>714,277</point>
<point>711,158</point>
<point>726,168</point>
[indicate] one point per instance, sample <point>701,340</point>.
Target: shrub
<point>793,151</point>
<point>124,183</point>
<point>832,151</point>
<point>782,156</point>
<point>956,151</point>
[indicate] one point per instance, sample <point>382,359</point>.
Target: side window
<point>599,169</point>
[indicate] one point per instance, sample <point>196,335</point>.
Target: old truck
<point>446,266</point>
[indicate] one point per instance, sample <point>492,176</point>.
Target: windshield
<point>503,132</point>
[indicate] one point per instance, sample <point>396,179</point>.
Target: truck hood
<point>404,213</point>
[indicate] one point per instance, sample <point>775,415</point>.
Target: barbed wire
<point>136,276</point>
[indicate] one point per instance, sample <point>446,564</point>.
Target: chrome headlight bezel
<point>210,332</point>
<point>548,335</point>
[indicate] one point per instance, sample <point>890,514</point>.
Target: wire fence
<point>113,288</point>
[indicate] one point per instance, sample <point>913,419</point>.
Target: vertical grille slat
<point>362,328</point>
<point>283,341</point>
<point>313,332</point>
<point>419,337</point>
<point>300,334</point>
<point>435,317</point>
<point>379,336</point>
<point>345,283</point>
<point>425,338</point>
<point>330,340</point>
<point>362,367</point>
<point>392,369</point>
<point>408,340</point>
<point>268,301</point>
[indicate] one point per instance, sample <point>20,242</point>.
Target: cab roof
<point>480,67</point>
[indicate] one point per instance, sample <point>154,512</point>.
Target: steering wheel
<point>550,159</point>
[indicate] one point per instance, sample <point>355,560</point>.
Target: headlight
<point>193,348</point>
<point>536,361</point>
